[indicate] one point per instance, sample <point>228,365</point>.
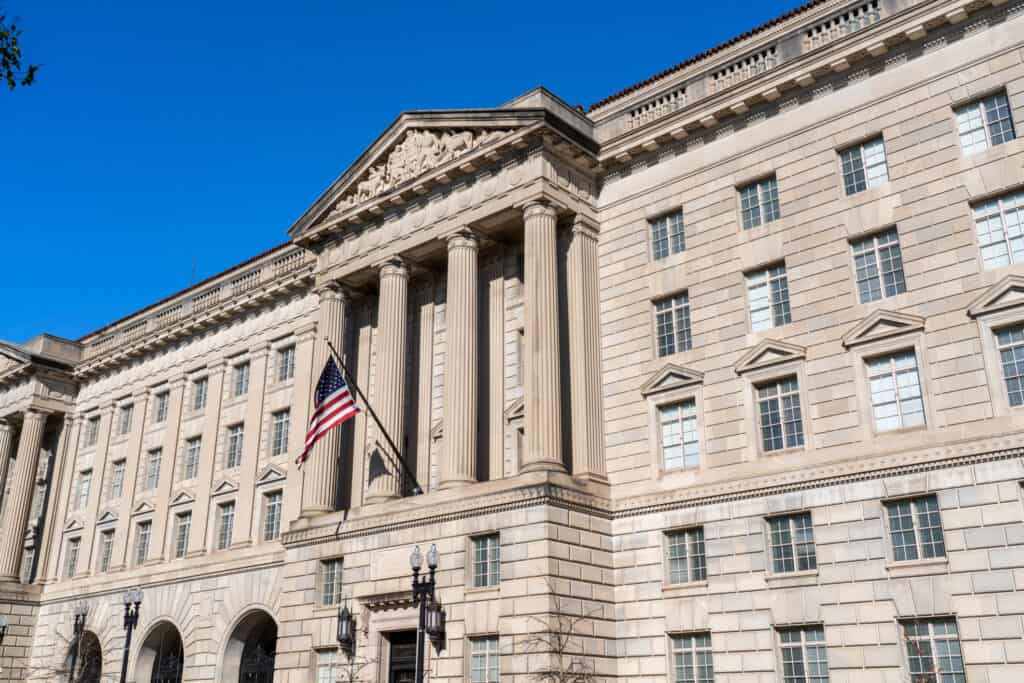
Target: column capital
<point>35,414</point>
<point>537,208</point>
<point>463,238</point>
<point>583,226</point>
<point>5,426</point>
<point>333,290</point>
<point>394,266</point>
<point>306,332</point>
<point>107,407</point>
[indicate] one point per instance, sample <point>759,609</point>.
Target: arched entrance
<point>249,655</point>
<point>89,663</point>
<point>161,657</point>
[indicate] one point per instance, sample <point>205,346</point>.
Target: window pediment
<point>1007,293</point>
<point>182,498</point>
<point>882,325</point>
<point>768,353</point>
<point>74,524</point>
<point>671,377</point>
<point>142,508</point>
<point>224,486</point>
<point>269,475</point>
<point>107,517</point>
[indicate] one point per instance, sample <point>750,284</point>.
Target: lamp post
<point>132,600</point>
<point>431,615</point>
<point>3,632</point>
<point>81,611</point>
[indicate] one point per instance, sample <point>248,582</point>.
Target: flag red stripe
<point>338,395</point>
<point>316,423</point>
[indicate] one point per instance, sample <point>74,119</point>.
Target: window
<point>486,561</point>
<point>691,658</point>
<point>778,407</point>
<point>327,666</point>
<point>768,292</point>
<point>686,555</point>
<point>933,651</point>
<point>672,317</point>
<point>240,385</point>
<point>142,534</point>
<point>484,660</point>
<point>116,479</point>
<point>190,468</point>
<point>679,445</point>
<point>285,363</point>
<point>124,421</point>
<point>92,431</point>
<point>330,582</point>
<point>153,469</point>
<point>896,400</point>
<point>279,432</point>
<point>82,494</point>
<point>879,266</point>
<point>1010,343</point>
<point>271,516</point>
<point>915,528</point>
<point>225,524</point>
<point>182,529</point>
<point>160,408</point>
<point>71,557</point>
<point>234,454</point>
<point>984,123</point>
<point>667,235</point>
<point>792,543</point>
<point>999,223</point>
<point>106,550</point>
<point>759,203</point>
<point>864,166</point>
<point>200,387</point>
<point>803,655</point>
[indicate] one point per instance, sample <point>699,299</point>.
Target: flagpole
<point>417,489</point>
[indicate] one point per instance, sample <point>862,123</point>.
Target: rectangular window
<point>124,421</point>
<point>686,555</point>
<point>106,550</point>
<point>667,235</point>
<point>691,658</point>
<point>915,528</point>
<point>71,557</point>
<point>984,123</point>
<point>864,166</point>
<point>327,668</point>
<point>153,469</point>
<point>768,293</point>
<point>271,516</point>
<point>82,495</point>
<point>160,407</point>
<point>759,203</point>
<point>92,431</point>
<point>142,534</point>
<point>330,582</point>
<point>234,454</point>
<point>200,388</point>
<point>1010,342</point>
<point>279,432</point>
<point>778,408</point>
<point>896,400</point>
<point>116,479</point>
<point>933,651</point>
<point>791,538</point>
<point>240,384</point>
<point>672,318</point>
<point>803,655</point>
<point>190,468</point>
<point>486,560</point>
<point>879,266</point>
<point>999,224</point>
<point>484,660</point>
<point>225,525</point>
<point>182,529</point>
<point>679,446</point>
<point>285,363</point>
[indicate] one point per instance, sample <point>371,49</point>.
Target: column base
<point>381,498</point>
<point>543,466</point>
<point>456,483</point>
<point>311,512</point>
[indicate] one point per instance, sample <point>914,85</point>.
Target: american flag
<point>332,405</point>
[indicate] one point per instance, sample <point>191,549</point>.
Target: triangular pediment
<point>671,377</point>
<point>882,325</point>
<point>182,498</point>
<point>768,353</point>
<point>73,524</point>
<point>269,475</point>
<point>515,411</point>
<point>142,508</point>
<point>224,486</point>
<point>12,358</point>
<point>1007,293</point>
<point>107,517</point>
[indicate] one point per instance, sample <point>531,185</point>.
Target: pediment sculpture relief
<point>416,153</point>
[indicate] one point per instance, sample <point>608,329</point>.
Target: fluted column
<point>542,387</point>
<point>462,312</point>
<point>320,478</point>
<point>585,354</point>
<point>385,475</point>
<point>22,488</point>
<point>6,443</point>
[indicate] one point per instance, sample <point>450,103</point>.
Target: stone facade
<point>639,353</point>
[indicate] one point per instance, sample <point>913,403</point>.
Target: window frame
<point>150,474</point>
<point>894,373</point>
<point>777,382</point>
<point>670,653</point>
<point>72,550</point>
<point>222,541</point>
<point>338,582</point>
<point>859,146</point>
<point>781,647</point>
<point>279,442</point>
<point>674,306</point>
<point>125,418</point>
<point>105,552</point>
<point>890,547</point>
<point>471,640</point>
<point>655,402</point>
<point>979,101</point>
<point>766,270</point>
<point>265,508</point>
<point>118,469</point>
<point>229,448</point>
<point>284,363</point>
<point>758,377</point>
<point>873,236</point>
<point>1015,193</point>
<point>773,194</point>
<point>769,537</point>
<point>666,215</point>
<point>91,435</point>
<point>140,558</point>
<point>241,376</point>
<point>691,566</point>
<point>471,563</point>
<point>161,406</point>
<point>989,324</point>
<point>187,457</point>
<point>930,620</point>
<point>195,402</point>
<point>82,497</point>
<point>860,352</point>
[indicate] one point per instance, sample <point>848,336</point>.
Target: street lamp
<point>81,611</point>
<point>346,631</point>
<point>132,600</point>
<point>3,628</point>
<point>431,614</point>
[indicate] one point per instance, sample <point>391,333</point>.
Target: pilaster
<point>305,347</point>
<point>207,457</point>
<point>134,458</point>
<point>16,518</point>
<point>242,534</point>
<point>170,444</point>
<point>100,462</point>
<point>496,367</point>
<point>60,492</point>
<point>6,450</point>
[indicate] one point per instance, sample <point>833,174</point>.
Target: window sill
<point>934,565</point>
<point>807,577</point>
<point>781,451</point>
<point>901,430</point>
<point>683,590</point>
<point>482,592</point>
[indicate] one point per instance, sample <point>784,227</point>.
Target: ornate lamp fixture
<point>3,628</point>
<point>132,600</point>
<point>346,631</point>
<point>423,595</point>
<point>81,611</point>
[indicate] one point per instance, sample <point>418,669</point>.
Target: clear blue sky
<point>162,134</point>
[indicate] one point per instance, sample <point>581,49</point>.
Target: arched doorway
<point>89,663</point>
<point>249,655</point>
<point>161,657</point>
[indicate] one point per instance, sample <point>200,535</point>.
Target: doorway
<point>402,660</point>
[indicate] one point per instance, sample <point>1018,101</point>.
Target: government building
<point>720,379</point>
